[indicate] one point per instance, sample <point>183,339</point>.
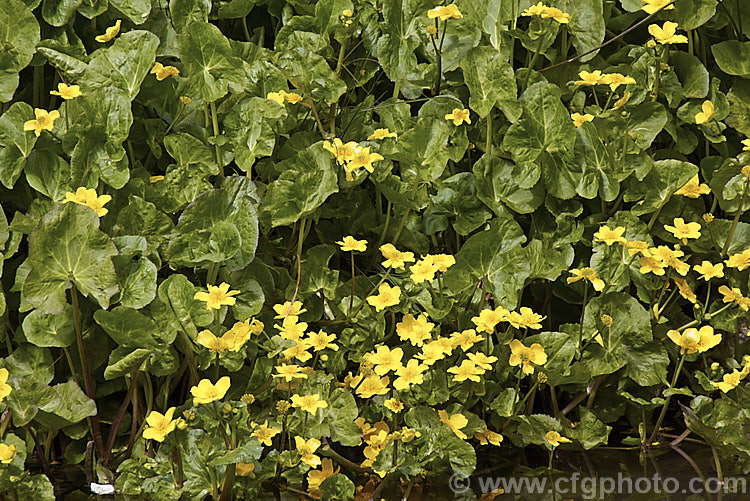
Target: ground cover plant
<point>336,249</point>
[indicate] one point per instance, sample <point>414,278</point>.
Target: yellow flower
<point>88,197</point>
<point>423,271</point>
<point>7,453</point>
<point>381,134</point>
<point>264,434</point>
<point>349,243</point>
<point>445,12</point>
<point>5,388</point>
<point>207,392</point>
<point>467,370</point>
<point>694,340</point>
<point>589,78</point>
<point>342,152</point>
<point>289,372</point>
<point>729,381</point>
<point>244,469</point>
<point>707,113</point>
<point>288,309</point>
<point>556,439</point>
<point>459,116</point>
<point>373,385</point>
<point>731,295</point>
<point>386,360</point>
<point>693,188</point>
<point>746,145</point>
<point>309,403</point>
<point>610,236</point>
<point>431,353</point>
<point>110,33</point>
<point>163,72</point>
<point>488,319</point>
<point>298,351</point>
<point>276,97</point>
<point>395,258</point>
<point>614,80</point>
<point>586,274</point>
<point>185,100</point>
<point>217,296</point>
<point>441,261</point>
<point>526,357</point>
<point>488,437</point>
<point>347,13</point>
<point>654,5</point>
<point>482,360</point>
<point>236,337</point>
<point>535,10</point>
<point>455,422</point>
<point>579,119</point>
<point>622,101</point>
<point>361,157</point>
<point>685,290</point>
<point>291,329</point>
<point>44,121</point>
<point>466,339</point>
<point>651,265</point>
<point>414,330</point>
<point>556,14</point>
<point>526,319</point>
<point>66,92</point>
<point>666,34</point>
<point>387,296</point>
<point>409,374</point>
<point>307,449</point>
<point>740,261</point>
<point>316,477</point>
<point>709,270</point>
<point>321,340</point>
<point>155,179</point>
<point>683,231</point>
<point>160,425</point>
<point>290,97</point>
<point>207,339</point>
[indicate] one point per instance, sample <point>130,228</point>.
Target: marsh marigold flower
<point>693,188</point>
<point>110,32</point>
<point>306,449</point>
<point>526,357</point>
<point>316,477</point>
<point>685,290</point>
<point>387,296</point>
<point>5,388</point>
<point>488,319</point>
<point>163,72</point>
<point>89,198</point>
<point>482,360</point>
<point>694,340</point>
<point>373,385</point>
<point>455,422</point>
<point>654,5</point>
<point>395,258</point>
<point>66,92</point>
<point>288,309</point>
<point>264,434</point>
<point>349,243</point>
<point>309,403</point>
<point>445,12</point>
<point>587,274</point>
<point>589,78</point>
<point>393,405</point>
<point>423,271</point>
<point>216,297</point>
<point>321,340</point>
<point>43,121</point>
<point>7,453</point>
<point>555,439</point>
<point>160,425</point>
<point>381,134</point>
<point>579,120</point>
<point>343,152</point>
<point>409,374</point>
<point>745,145</point>
<point>741,261</point>
<point>207,392</point>
<point>467,370</point>
<point>488,437</point>
<point>706,114</point>
<point>682,230</point>
<point>415,330</point>
<point>208,340</point>
<point>708,270</point>
<point>386,360</point>
<point>609,236</point>
<point>614,80</point>
<point>666,34</point>
<point>556,14</point>
<point>525,318</point>
<point>466,339</point>
<point>361,157</point>
<point>459,116</point>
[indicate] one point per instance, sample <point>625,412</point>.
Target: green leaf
<point>590,432</point>
<point>628,341</point>
<point>46,330</point>
<point>645,122</point>
<point>15,143</point>
<point>186,12</point>
<point>425,147</point>
<point>124,65</point>
<point>733,57</point>
<point>124,361</point>
<point>665,178</point>
<point>177,293</point>
<point>128,327</point>
<point>248,127</point>
<point>456,201</point>
<point>587,26</point>
<point>217,227</point>
<point>49,174</point>
<point>337,487</point>
<point>144,219</point>
<point>690,14</point>
<point>739,107</point>
<point>560,349</point>
<point>598,176</point>
<point>306,181</point>
<point>490,79</point>
<point>137,279</point>
<point>135,10</point>
<point>68,402</point>
<point>59,12</point>
<point>191,153</point>
<point>494,256</point>
<point>19,34</point>
<point>210,66</point>
<point>691,72</point>
<point>545,125</point>
<point>66,248</point>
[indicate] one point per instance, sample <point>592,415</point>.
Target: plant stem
<point>118,418</point>
<point>736,219</point>
<point>666,402</point>
<point>351,298</point>
<point>88,382</point>
<point>217,148</point>
<point>488,146</point>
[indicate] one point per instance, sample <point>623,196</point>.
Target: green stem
<point>217,148</point>
<point>736,219</point>
<point>666,402</point>
<point>401,226</point>
<point>708,297</point>
<point>488,146</point>
<point>658,210</point>
<point>531,66</point>
<point>387,223</point>
<point>583,306</point>
<point>175,119</point>
<point>351,298</point>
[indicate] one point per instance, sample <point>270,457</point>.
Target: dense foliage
<point>315,247</point>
